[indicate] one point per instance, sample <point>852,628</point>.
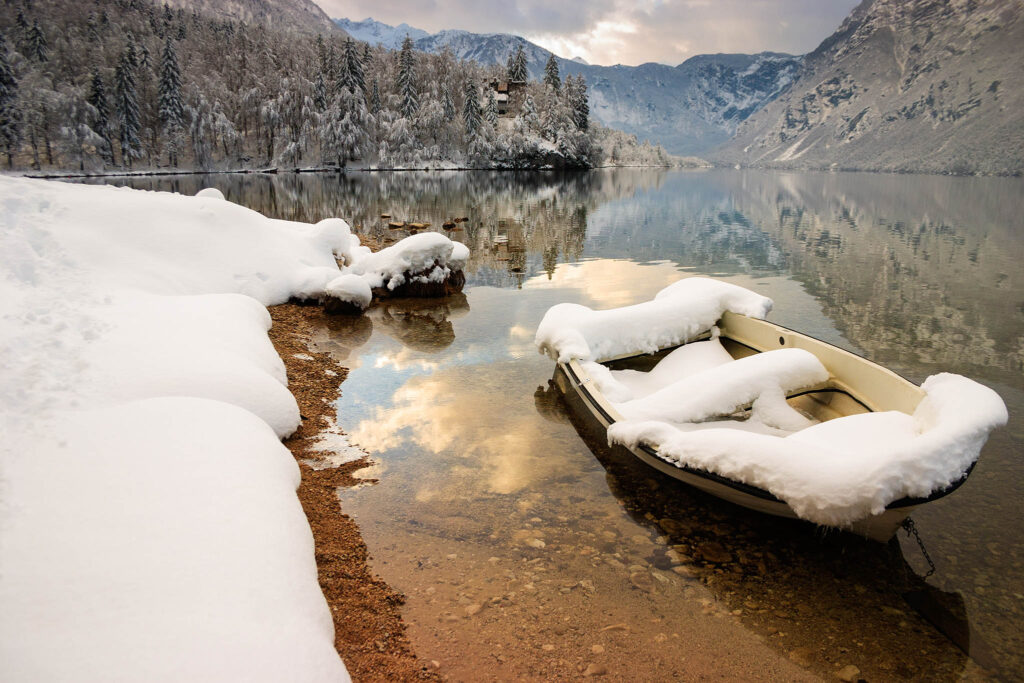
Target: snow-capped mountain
<point>902,85</point>
<point>303,15</point>
<point>376,33</point>
<point>689,109</point>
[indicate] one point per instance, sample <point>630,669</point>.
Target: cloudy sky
<point>621,31</point>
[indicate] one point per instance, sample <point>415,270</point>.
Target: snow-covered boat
<point>699,386</point>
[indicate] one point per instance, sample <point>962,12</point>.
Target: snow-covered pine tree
<point>471,110</point>
<point>10,117</point>
<point>375,98</point>
<point>407,79</point>
<point>97,99</point>
<point>37,47</point>
<point>343,128</point>
<point>446,103</point>
<point>491,109</point>
<point>528,114</point>
<point>576,96</point>
<point>78,139</point>
<point>517,72</point>
<point>320,91</point>
<point>551,75</point>
<point>352,69</point>
<point>171,106</point>
<point>321,53</point>
<point>127,108</point>
<point>145,62</point>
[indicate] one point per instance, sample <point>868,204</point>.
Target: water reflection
<point>919,273</point>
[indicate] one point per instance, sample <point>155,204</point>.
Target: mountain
<point>689,109</point>
<point>902,85</point>
<point>304,15</point>
<point>376,33</point>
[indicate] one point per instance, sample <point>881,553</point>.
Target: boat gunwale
<point>748,489</point>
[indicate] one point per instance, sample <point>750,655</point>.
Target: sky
<point>621,31</point>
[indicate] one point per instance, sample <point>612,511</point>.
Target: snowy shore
<point>150,528</point>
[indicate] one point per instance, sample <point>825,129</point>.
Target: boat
<point>699,428</point>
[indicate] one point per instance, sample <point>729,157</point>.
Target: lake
<point>529,549</point>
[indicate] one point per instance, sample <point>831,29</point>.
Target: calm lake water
<point>528,549</point>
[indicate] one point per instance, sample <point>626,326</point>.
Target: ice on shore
<point>149,527</point>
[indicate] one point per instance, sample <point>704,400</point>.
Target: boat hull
<point>894,392</point>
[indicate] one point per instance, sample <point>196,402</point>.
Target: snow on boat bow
<point>766,417</point>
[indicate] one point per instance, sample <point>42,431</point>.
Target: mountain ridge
<point>689,108</point>
<point>901,85</point>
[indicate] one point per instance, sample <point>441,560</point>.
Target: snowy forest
<point>114,85</point>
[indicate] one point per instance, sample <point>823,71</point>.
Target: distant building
<point>506,96</point>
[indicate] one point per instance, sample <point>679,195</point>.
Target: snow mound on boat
<point>845,469</point>
<point>724,389</point>
<point>678,313</point>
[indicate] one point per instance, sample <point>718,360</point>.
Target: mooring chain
<point>911,529</point>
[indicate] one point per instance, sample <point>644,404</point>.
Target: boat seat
<point>724,389</point>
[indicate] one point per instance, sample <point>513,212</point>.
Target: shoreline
<point>369,632</point>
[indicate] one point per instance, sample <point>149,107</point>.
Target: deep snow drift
<point>150,527</point>
<point>833,473</point>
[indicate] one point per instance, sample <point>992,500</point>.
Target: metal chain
<point>911,529</point>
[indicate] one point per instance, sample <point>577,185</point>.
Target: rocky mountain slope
<point>305,15</point>
<point>689,109</point>
<point>902,85</point>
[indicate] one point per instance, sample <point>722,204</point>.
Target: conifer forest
<point>130,85</point>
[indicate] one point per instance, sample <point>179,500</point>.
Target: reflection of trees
<point>903,265</point>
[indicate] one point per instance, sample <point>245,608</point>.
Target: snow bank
<point>149,520</point>
<point>678,313</point>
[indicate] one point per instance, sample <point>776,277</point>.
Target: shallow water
<point>528,549</point>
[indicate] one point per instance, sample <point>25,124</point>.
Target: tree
<point>528,114</point>
<point>471,110</point>
<point>576,99</point>
<point>446,103</point>
<point>551,76</point>
<point>350,71</point>
<point>320,91</point>
<point>375,98</point>
<point>37,48</point>
<point>97,99</point>
<point>343,128</point>
<point>127,107</point>
<point>517,72</point>
<point>10,116</point>
<point>79,139</point>
<point>491,109</point>
<point>171,107</point>
<point>407,79</point>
